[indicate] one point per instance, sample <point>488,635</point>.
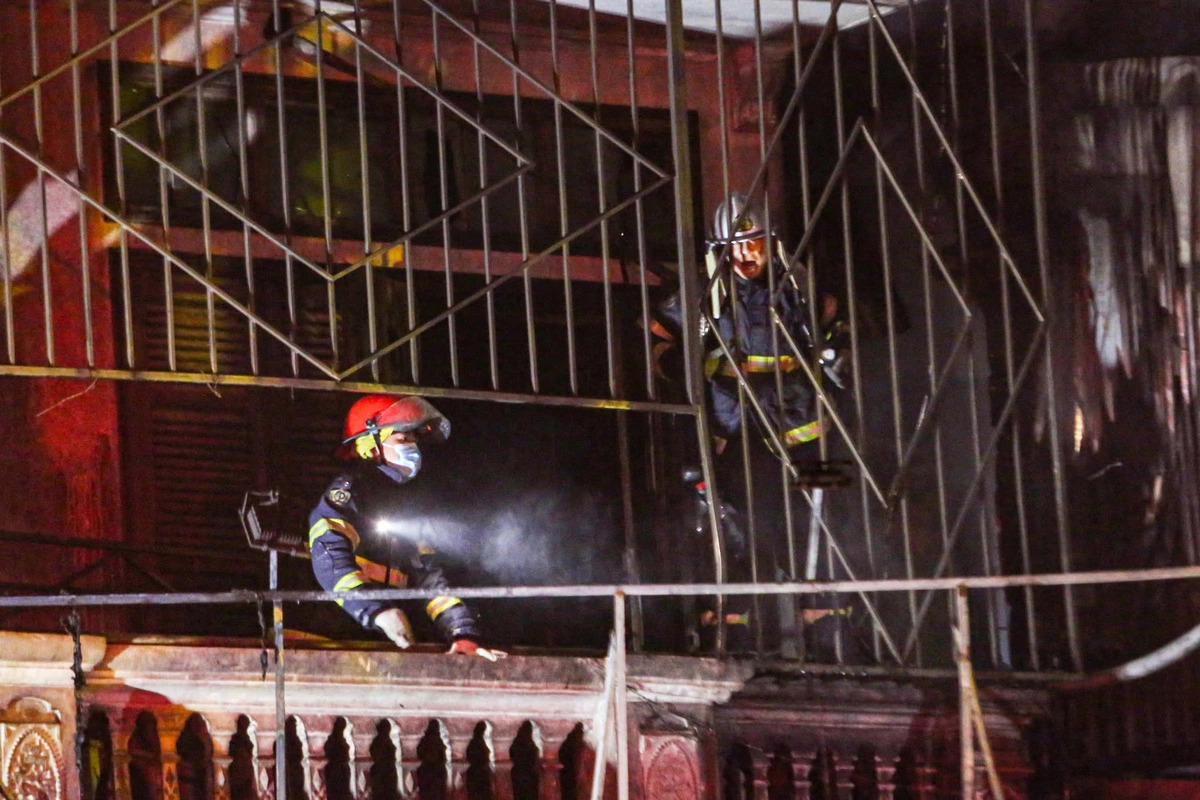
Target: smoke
<point>520,497</point>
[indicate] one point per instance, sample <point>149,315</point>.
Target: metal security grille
<point>490,201</point>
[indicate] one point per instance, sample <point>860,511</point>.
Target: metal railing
<point>496,112</point>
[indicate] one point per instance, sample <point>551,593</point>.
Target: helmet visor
<point>412,415</point>
<point>417,416</point>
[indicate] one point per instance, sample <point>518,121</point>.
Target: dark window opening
<point>200,135</point>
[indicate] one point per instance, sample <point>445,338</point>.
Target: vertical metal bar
<point>285,185</point>
<point>39,129</point>
<point>239,85</point>
<point>985,548</point>
<point>1043,256</point>
<point>722,113</point>
<point>962,658</point>
<point>689,285</point>
<point>563,219</point>
<point>280,706</point>
<point>119,168</point>
<point>405,199</point>
<point>444,188</point>
<point>326,183</point>
<point>364,171</point>
<point>10,339</point>
<point>1006,318</point>
<point>639,215</point>
<point>787,605</point>
<point>894,377</point>
<point>629,529</point>
<point>751,509</point>
<point>851,313</point>
<point>286,190</point>
<point>927,295</point>
<point>847,242</point>
<point>164,196</point>
<point>527,279</point>
<point>480,141</point>
<point>205,208</point>
<point>81,208</point>
<point>610,351</point>
<point>620,700</point>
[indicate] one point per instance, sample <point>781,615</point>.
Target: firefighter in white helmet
<point>739,240</point>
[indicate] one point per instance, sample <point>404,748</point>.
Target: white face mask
<point>404,456</point>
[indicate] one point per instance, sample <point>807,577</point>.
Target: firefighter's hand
<point>395,626</point>
<point>468,648</point>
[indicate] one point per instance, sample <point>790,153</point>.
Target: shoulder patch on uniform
<point>340,491</point>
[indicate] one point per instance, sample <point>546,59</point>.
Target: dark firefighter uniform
<point>745,325</point>
<point>350,550</point>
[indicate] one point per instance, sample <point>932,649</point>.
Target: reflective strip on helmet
<point>365,444</point>
<point>438,605</point>
<point>339,526</point>
<point>805,433</point>
<point>767,363</point>
<point>350,580</point>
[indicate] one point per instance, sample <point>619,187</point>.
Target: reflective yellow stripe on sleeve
<point>349,581</point>
<point>327,524</point>
<point>435,607</point>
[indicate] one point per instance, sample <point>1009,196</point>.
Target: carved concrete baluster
<point>363,732</point>
<point>760,764</point>
<point>460,733</point>
<point>800,777</point>
<point>885,769</point>
<point>843,774</point>
<point>120,759</point>
<point>316,733</point>
<point>479,779</point>
<point>265,730</point>
<point>810,768</point>
<point>170,726</point>
<point>503,734</point>
<point>526,756</point>
<point>410,762</point>
<point>223,727</point>
<point>550,787</point>
<point>140,754</point>
<point>553,737</point>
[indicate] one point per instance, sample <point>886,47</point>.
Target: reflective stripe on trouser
<point>348,581</point>
<point>804,433</point>
<point>435,607</point>
<point>719,365</point>
<point>327,524</point>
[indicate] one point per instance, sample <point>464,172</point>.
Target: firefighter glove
<point>395,625</point>
<point>470,648</point>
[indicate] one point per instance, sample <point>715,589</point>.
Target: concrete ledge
<point>44,659</point>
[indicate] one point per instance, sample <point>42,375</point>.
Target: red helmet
<point>380,415</point>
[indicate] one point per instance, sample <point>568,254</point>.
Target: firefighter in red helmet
<point>357,538</point>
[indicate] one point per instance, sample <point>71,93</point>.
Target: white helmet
<point>737,219</point>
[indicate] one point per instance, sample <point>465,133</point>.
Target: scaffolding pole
<point>970,720</point>
<point>881,585</point>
